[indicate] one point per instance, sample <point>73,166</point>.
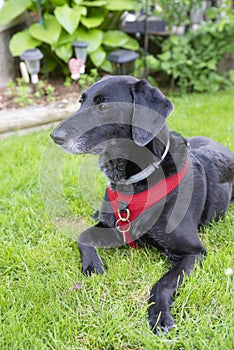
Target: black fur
<point>122,120</point>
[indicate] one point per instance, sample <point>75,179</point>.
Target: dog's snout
<point>58,136</point>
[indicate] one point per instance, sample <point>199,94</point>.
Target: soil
<point>62,95</point>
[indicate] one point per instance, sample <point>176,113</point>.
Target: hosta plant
<point>55,24</point>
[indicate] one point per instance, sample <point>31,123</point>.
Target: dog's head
<point>119,115</point>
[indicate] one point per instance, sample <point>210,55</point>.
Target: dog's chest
<point>134,214</point>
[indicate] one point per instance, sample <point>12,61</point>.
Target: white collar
<point>147,171</point>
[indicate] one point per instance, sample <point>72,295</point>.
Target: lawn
<point>46,303</point>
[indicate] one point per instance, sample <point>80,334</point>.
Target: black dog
<point>162,187</point>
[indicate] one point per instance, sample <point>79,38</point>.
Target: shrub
<point>61,22</point>
<point>190,61</point>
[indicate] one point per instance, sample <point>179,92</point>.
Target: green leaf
<point>189,62</point>
<point>212,12</point>
<point>205,39</point>
<point>211,65</point>
<point>83,10</point>
<point>152,62</point>
<point>12,9</point>
<point>115,38</point>
<point>98,3</point>
<point>222,25</point>
<point>98,57</point>
<point>22,41</point>
<point>107,66</point>
<point>166,66</point>
<point>93,37</point>
<point>49,32</point>
<point>68,18</point>
<point>165,56</point>
<point>64,52</point>
<point>201,65</point>
<point>93,21</point>
<point>58,2</point>
<point>152,81</point>
<point>131,44</point>
<point>65,38</point>
<point>174,39</point>
<point>121,5</point>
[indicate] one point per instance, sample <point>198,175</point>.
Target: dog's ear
<point>150,110</point>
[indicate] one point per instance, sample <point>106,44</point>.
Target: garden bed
<point>23,111</point>
<point>58,93</point>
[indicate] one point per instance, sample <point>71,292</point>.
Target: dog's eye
<point>103,107</point>
<point>82,98</point>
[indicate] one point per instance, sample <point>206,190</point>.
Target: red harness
<point>136,204</point>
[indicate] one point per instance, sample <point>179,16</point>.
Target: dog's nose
<point>58,136</point>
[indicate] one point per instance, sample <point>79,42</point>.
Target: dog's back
<point>218,163</point>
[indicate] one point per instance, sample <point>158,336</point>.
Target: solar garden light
<point>123,61</point>
<point>32,59</point>
<point>81,52</point>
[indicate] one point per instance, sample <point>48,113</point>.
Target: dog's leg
<point>160,318</point>
<point>96,236</point>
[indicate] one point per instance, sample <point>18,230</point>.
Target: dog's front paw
<point>160,322</point>
<point>93,266</point>
<point>91,261</point>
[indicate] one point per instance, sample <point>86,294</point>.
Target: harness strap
<point>136,204</point>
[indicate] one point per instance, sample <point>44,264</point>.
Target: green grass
<point>40,265</point>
